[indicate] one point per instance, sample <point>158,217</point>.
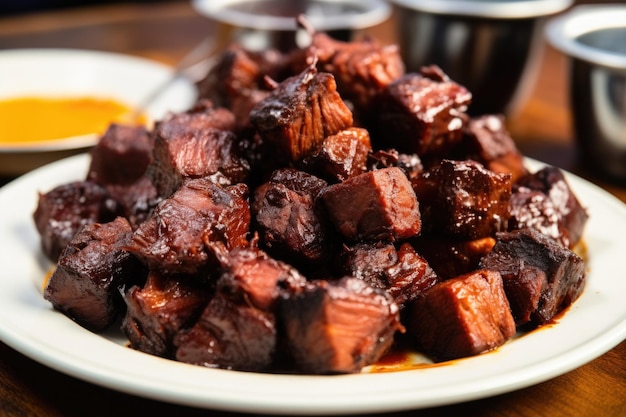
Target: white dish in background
<point>594,324</point>
<point>81,73</point>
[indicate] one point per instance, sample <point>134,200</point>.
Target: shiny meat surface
<point>462,316</point>
<point>375,205</point>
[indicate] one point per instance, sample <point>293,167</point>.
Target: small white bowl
<point>81,73</point>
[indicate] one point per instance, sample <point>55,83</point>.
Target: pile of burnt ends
<point>313,209</point>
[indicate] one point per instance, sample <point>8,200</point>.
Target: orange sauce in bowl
<point>34,119</point>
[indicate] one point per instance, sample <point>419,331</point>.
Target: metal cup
<point>594,38</point>
<point>491,47</point>
<point>271,24</point>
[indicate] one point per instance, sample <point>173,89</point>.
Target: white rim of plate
<point>562,32</point>
<point>512,9</point>
<point>374,12</point>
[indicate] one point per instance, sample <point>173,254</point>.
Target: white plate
<point>72,73</point>
<point>593,325</point>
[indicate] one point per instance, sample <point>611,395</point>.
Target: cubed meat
<point>121,156</point>
<point>92,268</point>
<point>229,335</point>
<point>486,140</point>
<point>338,326</point>
<point>545,201</point>
<point>203,115</point>
<point>375,205</point>
<point>402,273</point>
<point>258,278</point>
<point>135,201</point>
<point>237,330</point>
<point>188,146</point>
<point>462,316</point>
<point>157,311</point>
<point>463,199</point>
<point>300,113</point>
<point>362,68</point>
<point>451,257</point>
<point>62,211</point>
<point>238,71</point>
<point>423,113</point>
<point>341,156</point>
<point>288,220</point>
<point>541,277</point>
<point>411,164</point>
<point>187,229</point>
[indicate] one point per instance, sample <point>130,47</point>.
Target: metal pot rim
<point>374,12</point>
<point>515,9</point>
<point>562,32</point>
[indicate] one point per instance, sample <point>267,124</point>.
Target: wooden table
<point>165,32</point>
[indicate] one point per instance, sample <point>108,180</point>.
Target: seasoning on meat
<point>544,201</point>
<point>91,270</point>
<point>375,205</point>
<point>423,113</point>
<point>463,199</point>
<point>541,277</point>
<point>462,316</point>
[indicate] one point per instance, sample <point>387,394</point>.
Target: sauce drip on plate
<point>34,119</point>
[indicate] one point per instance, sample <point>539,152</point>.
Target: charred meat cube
<point>375,205</point>
<point>91,270</point>
<point>423,113</point>
<point>157,311</point>
<point>411,164</point>
<point>462,316</point>
<point>287,218</point>
<point>119,162</point>
<point>188,230</point>
<point>463,199</point>
<point>62,211</point>
<point>239,71</point>
<point>487,141</point>
<point>402,273</point>
<point>541,277</point>
<point>362,68</point>
<point>451,257</point>
<point>135,201</point>
<point>229,335</point>
<point>187,146</point>
<point>203,115</point>
<point>237,330</point>
<point>300,113</point>
<point>257,277</point>
<point>545,201</point>
<point>341,156</point>
<point>338,326</point>
<point>121,156</point>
